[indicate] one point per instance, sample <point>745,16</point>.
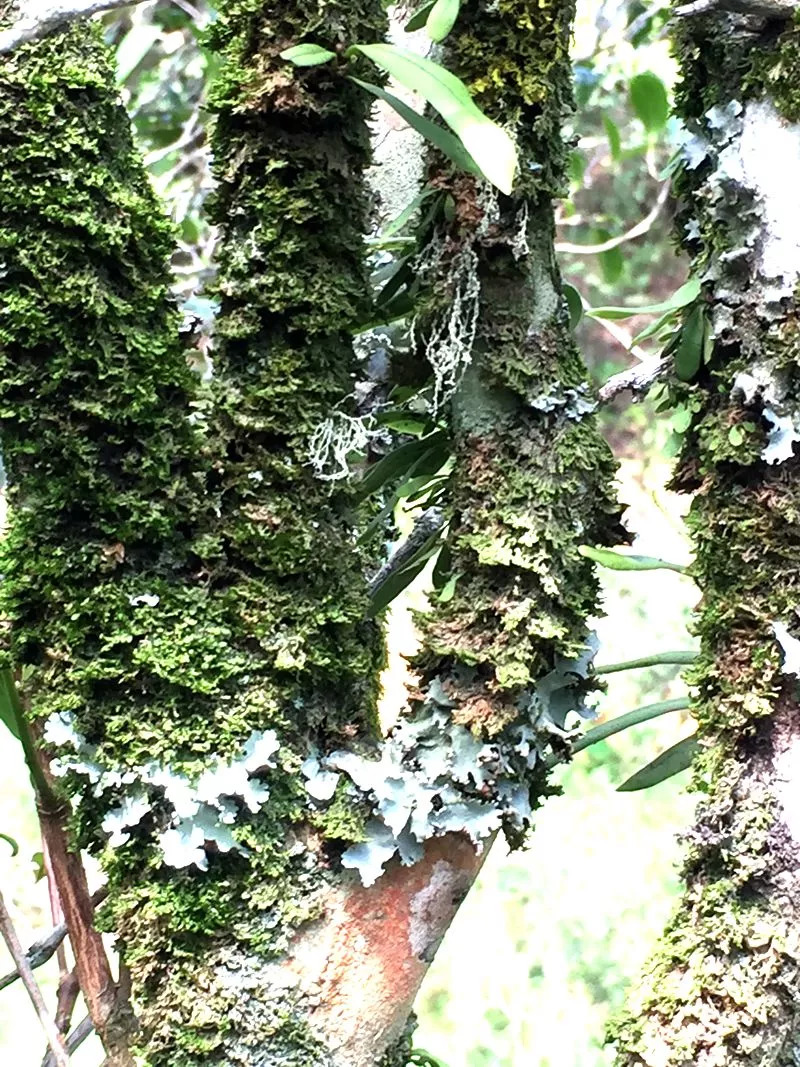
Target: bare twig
<point>83,1030</point>
<point>638,230</point>
<point>54,1038</point>
<point>637,379</point>
<point>39,18</point>
<point>44,949</point>
<point>68,992</point>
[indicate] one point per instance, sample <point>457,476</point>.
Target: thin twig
<point>43,950</point>
<point>637,379</point>
<point>429,523</point>
<point>54,1038</point>
<point>84,1029</point>
<point>638,230</point>
<point>39,18</point>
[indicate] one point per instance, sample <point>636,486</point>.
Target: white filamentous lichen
<point>334,441</point>
<point>433,777</point>
<point>451,336</point>
<point>203,808</point>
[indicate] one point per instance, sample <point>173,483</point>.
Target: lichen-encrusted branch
<point>533,476</point>
<point>722,987</point>
<point>31,20</point>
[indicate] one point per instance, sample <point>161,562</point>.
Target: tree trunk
<point>723,988</point>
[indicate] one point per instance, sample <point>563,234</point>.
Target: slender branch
<point>638,230</point>
<point>637,379</point>
<point>54,1038</point>
<point>84,1029</point>
<point>69,989</point>
<point>41,784</point>
<point>39,18</point>
<point>44,949</point>
<point>429,522</point>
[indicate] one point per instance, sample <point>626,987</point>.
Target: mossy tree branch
<point>721,987</point>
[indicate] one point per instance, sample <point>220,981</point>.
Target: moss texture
<point>533,478</point>
<point>721,988</point>
<point>126,481</point>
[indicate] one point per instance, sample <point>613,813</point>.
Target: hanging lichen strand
<point>722,987</point>
<point>533,477</point>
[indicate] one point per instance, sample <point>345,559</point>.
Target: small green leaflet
<point>671,762</point>
<point>616,561</point>
<point>8,713</point>
<point>614,139</point>
<point>688,352</point>
<point>437,135</point>
<point>489,145</point>
<point>308,55</point>
<point>649,100</point>
<point>442,19</point>
<point>684,296</point>
<point>574,303</point>
<point>420,17</point>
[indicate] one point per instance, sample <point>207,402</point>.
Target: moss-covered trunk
<point>723,986</point>
<point>186,602</point>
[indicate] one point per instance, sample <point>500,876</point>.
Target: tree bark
<point>722,988</point>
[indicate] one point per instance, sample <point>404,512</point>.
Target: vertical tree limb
<point>721,988</point>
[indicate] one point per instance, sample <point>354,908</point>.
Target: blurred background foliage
<point>548,941</point>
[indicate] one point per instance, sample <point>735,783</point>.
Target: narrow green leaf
<point>688,354</point>
<point>649,100</point>
<point>671,762</point>
<point>656,660</point>
<point>308,55</point>
<point>488,144</point>
<point>408,213</point>
<point>11,843</point>
<point>8,710</point>
<point>420,17</point>
<point>442,19</point>
<point>630,718</point>
<point>445,141</point>
<point>682,297</point>
<point>612,262</point>
<point>574,303</point>
<point>616,561</point>
<point>405,461</point>
<point>449,589</point>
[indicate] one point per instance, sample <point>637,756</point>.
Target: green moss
<point>721,982</point>
<point>253,614</point>
<point>533,477</point>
